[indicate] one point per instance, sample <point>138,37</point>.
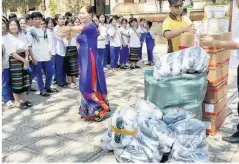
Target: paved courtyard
<point>52,131</point>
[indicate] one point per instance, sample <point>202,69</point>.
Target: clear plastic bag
<point>172,118</point>
<point>176,66</point>
<point>188,155</point>
<point>105,142</point>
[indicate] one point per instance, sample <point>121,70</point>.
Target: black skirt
<point>18,76</point>
<point>134,54</point>
<point>71,61</point>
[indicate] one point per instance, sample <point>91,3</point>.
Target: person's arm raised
<point>209,41</point>
<point>170,34</point>
<point>66,30</point>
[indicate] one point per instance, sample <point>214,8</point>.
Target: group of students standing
<point>32,49</point>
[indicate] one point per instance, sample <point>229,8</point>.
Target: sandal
<point>52,90</point>
<point>28,104</point>
<point>44,94</point>
<point>23,106</point>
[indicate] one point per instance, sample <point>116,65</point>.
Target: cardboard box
<point>212,111</point>
<point>226,54</point>
<point>217,76</point>
<point>213,125</point>
<point>212,49</point>
<point>186,40</point>
<point>214,94</point>
<point>216,60</point>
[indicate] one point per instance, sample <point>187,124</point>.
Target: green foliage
<point>22,5</point>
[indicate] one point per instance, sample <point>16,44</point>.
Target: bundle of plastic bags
<point>190,60</point>
<point>142,134</point>
<point>190,145</point>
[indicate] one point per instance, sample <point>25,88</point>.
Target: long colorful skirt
<point>134,54</point>
<point>18,76</point>
<point>71,61</point>
<point>92,83</point>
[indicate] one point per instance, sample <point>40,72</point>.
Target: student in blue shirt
<point>150,42</point>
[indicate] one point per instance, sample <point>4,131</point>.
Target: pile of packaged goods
<point>179,80</point>
<point>189,60</point>
<point>144,134</point>
<point>216,25</point>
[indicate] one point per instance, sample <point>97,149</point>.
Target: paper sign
<point>209,108</point>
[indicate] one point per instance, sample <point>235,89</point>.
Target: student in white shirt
<point>134,43</point>
<point>38,39</point>
<point>50,24</point>
<point>141,28</point>
<point>124,52</point>
<point>18,64</point>
<point>71,58</point>
<point>115,43</point>
<point>23,25</point>
<point>103,22</point>
<point>101,41</point>
<point>6,52</point>
<point>60,53</point>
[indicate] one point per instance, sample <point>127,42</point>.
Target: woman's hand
<point>26,64</point>
<point>63,31</point>
<point>206,41</point>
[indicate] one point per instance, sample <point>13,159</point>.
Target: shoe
<point>10,104</point>
<point>118,66</point>
<point>151,64</point>
<point>137,66</point>
<point>32,90</point>
<point>28,104</point>
<point>126,67</point>
<point>147,64</point>
<point>231,139</point>
<point>72,86</point>
<point>44,94</point>
<point>52,90</point>
<point>63,85</point>
<point>132,67</point>
<point>23,106</point>
<point>54,82</point>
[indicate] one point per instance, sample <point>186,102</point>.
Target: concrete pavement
<point>52,131</point>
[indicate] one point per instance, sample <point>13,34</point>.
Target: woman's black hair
<point>132,20</point>
<point>70,20</point>
<point>111,20</point>
<point>12,15</point>
<point>28,16</point>
<point>149,23</point>
<point>68,15</point>
<point>5,20</point>
<point>173,2</point>
<point>104,16</point>
<point>142,19</point>
<point>124,20</point>
<point>17,22</point>
<point>75,18</point>
<point>57,17</point>
<point>48,20</point>
<point>36,15</point>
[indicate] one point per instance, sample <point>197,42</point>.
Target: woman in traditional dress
<point>19,63</point>
<point>94,103</point>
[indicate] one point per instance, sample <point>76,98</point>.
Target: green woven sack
<point>175,91</point>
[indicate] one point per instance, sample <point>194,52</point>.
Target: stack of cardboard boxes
<point>215,102</point>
